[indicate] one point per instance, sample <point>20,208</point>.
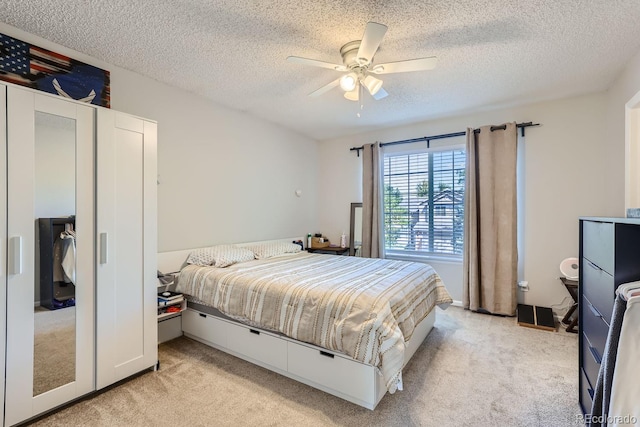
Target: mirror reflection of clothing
<point>64,257</point>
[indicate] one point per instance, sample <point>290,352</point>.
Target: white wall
<point>224,176</point>
<point>569,171</point>
<point>625,88</point>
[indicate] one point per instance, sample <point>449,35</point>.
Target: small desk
<point>331,250</point>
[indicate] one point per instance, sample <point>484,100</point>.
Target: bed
<point>345,325</point>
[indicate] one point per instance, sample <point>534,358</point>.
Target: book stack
<point>168,298</point>
<point>169,302</point>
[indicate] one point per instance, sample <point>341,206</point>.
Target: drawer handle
<point>592,265</point>
<point>202,315</point>
<point>253,331</point>
<point>594,311</point>
<point>595,354</point>
<point>324,353</point>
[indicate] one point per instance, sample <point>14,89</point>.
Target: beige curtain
<point>372,234</point>
<point>490,226</point>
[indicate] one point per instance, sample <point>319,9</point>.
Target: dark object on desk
<point>331,250</point>
<point>572,287</point>
<point>533,316</point>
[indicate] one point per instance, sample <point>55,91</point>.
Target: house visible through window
<point>424,202</point>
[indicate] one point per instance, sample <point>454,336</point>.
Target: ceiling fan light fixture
<point>348,82</point>
<point>353,95</point>
<point>358,71</point>
<point>372,84</point>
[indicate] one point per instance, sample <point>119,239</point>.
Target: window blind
<point>424,202</point>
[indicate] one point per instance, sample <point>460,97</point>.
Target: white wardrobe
<point>97,167</point>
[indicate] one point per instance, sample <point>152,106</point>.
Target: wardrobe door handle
<point>103,248</point>
<point>15,255</point>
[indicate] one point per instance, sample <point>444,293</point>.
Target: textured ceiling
<point>490,53</point>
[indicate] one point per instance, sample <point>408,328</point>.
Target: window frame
<point>410,254</point>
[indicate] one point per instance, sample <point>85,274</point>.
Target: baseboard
<point>557,316</point>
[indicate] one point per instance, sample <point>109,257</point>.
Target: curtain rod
<point>521,126</point>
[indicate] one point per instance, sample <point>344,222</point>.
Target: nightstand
<point>331,250</point>
<point>170,319</point>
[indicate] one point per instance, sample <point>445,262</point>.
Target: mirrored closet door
<point>50,348</point>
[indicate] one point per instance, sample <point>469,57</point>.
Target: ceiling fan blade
<point>371,40</point>
<point>316,63</point>
<point>405,66</point>
<point>325,88</point>
<point>380,94</point>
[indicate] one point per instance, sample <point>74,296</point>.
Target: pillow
<point>271,249</point>
<point>220,256</point>
<point>229,254</point>
<point>203,256</point>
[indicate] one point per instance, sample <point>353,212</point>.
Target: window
<point>424,202</point>
<point>440,210</point>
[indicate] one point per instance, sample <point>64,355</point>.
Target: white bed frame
<point>326,370</point>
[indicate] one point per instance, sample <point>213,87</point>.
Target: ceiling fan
<point>357,63</point>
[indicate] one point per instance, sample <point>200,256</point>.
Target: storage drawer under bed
<point>333,371</point>
<point>257,345</point>
<point>205,327</point>
<point>323,369</point>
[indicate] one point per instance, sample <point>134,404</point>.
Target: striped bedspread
<point>364,308</point>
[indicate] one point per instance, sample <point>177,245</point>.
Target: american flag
<point>23,63</point>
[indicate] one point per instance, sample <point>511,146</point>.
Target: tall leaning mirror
<point>355,229</point>
<point>54,361</point>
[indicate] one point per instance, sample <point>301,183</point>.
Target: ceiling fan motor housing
<point>349,53</point>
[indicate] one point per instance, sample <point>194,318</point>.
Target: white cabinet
<point>127,245</point>
<point>96,168</point>
<point>3,233</point>
<point>38,127</point>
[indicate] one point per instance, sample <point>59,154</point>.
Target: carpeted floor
<point>54,351</point>
<point>472,370</point>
